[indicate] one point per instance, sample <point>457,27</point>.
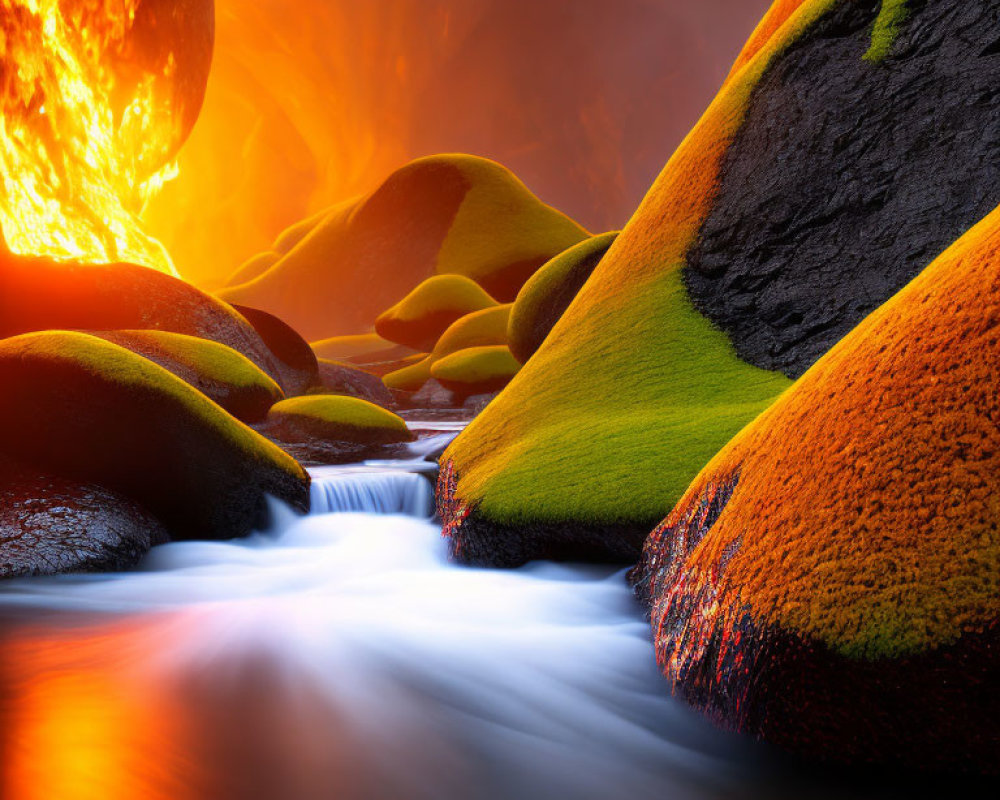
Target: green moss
<point>425,313</point>
<point>886,28</point>
<point>209,359</point>
<point>411,377</point>
<point>476,365</point>
<point>116,367</point>
<point>623,440</point>
<point>547,294</point>
<point>336,410</point>
<point>478,329</point>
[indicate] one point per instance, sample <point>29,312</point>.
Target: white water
<point>385,671</point>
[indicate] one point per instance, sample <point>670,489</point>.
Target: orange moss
<point>364,345</point>
<point>868,503</point>
<point>776,16</point>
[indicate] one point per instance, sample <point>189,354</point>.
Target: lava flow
<point>96,96</point>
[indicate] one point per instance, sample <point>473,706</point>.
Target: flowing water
<point>341,655</point>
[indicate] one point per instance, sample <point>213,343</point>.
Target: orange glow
<point>86,135</point>
<point>84,720</point>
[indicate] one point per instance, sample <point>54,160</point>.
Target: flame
<point>85,140</point>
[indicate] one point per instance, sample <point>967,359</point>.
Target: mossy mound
<point>52,525</point>
<point>297,367</point>
<point>476,370</point>
<point>831,580</point>
<point>361,347</point>
<point>419,319</point>
<point>437,215</point>
<point>254,267</point>
<point>478,329</point>
<point>219,372</point>
<point>38,294</point>
<point>548,293</point>
<point>338,378</point>
<point>332,429</point>
<point>79,407</point>
<point>410,377</point>
<point>814,187</point>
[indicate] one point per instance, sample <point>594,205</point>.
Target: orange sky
<point>317,100</point>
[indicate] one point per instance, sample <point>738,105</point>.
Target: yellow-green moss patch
<point>419,319</point>
<point>411,377</point>
<point>476,370</point>
<point>339,418</point>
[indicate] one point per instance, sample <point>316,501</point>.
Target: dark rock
<point>80,407</point>
<point>296,362</point>
<point>39,294</point>
<point>848,177</point>
<point>433,395</point>
<point>51,525</point>
<point>335,378</point>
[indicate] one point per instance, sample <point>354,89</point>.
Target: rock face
<point>76,406</point>
<point>217,371</point>
<point>831,581</point>
<point>438,215</point>
<point>295,359</point>
<point>38,294</point>
<point>548,293</point>
<point>419,319</point>
<point>51,525</point>
<point>785,265</point>
<point>735,252</point>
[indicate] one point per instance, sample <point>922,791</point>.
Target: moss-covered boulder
<point>817,184</point>
<point>479,329</point>
<point>831,580</point>
<point>437,215</point>
<point>38,294</point>
<point>296,362</point>
<point>411,376</point>
<point>419,319</point>
<point>85,409</point>
<point>361,348</point>
<point>219,372</point>
<point>335,429</point>
<point>548,293</point>
<point>338,378</point>
<point>476,370</point>
<point>51,525</point>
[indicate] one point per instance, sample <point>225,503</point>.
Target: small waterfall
<point>371,491</point>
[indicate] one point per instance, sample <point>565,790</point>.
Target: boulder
<point>295,360</point>
<point>51,525</point>
<point>337,378</point>
<point>331,429</point>
<point>360,348</point>
<point>830,582</point>
<point>478,329</point>
<point>817,184</point>
<point>437,215</point>
<point>85,409</point>
<point>411,376</point>
<point>218,372</point>
<point>476,370</point>
<point>419,319</point>
<point>548,293</point>
<point>38,294</point>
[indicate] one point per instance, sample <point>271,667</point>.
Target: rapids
<point>341,655</point>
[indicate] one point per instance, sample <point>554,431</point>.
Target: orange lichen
<point>867,512</point>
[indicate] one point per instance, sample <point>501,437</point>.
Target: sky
<point>316,101</point>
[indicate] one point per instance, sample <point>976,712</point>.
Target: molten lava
<point>96,96</point>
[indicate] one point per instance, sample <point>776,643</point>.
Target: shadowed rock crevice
<point>849,177</point>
